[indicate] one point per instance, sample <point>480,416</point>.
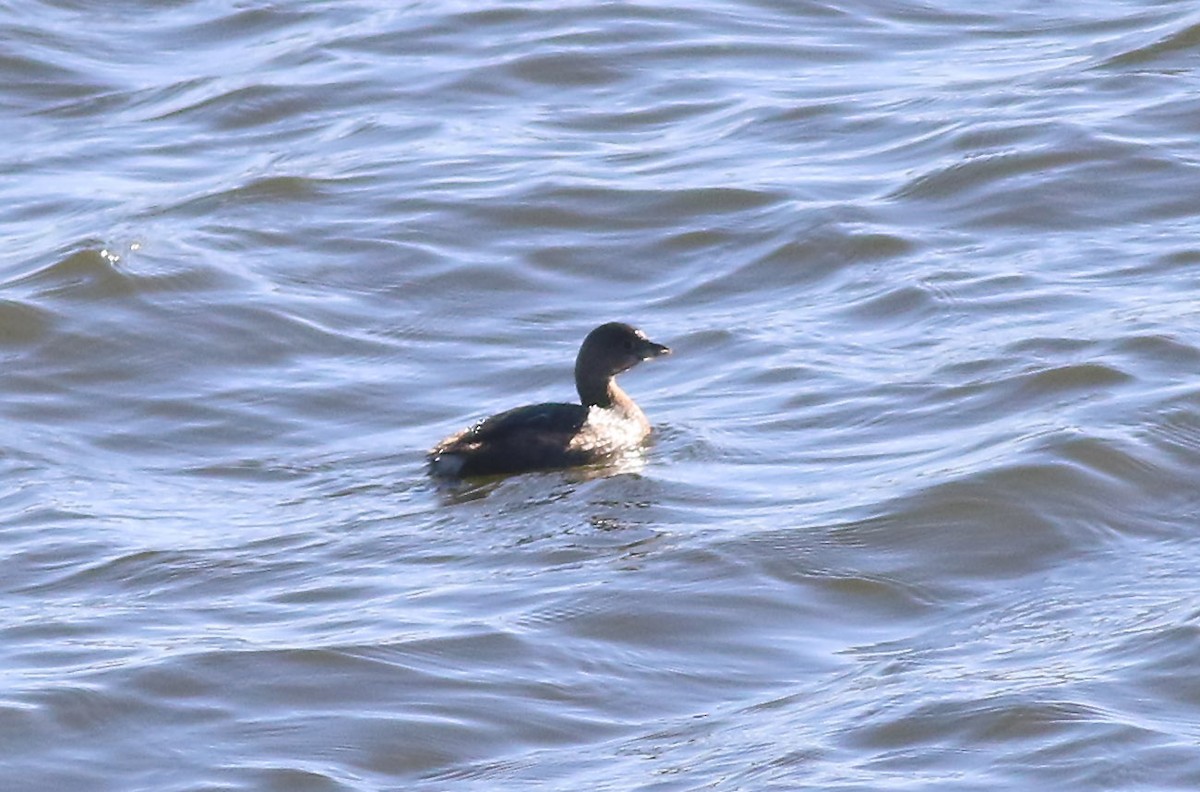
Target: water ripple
<point>921,502</point>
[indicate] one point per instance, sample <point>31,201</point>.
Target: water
<point>921,509</point>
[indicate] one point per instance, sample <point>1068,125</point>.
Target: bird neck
<point>594,390</point>
<point>604,392</point>
<point>600,391</point>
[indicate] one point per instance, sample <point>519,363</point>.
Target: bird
<point>606,423</point>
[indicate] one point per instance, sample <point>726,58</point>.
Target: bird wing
<point>551,417</point>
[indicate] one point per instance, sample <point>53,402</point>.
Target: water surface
<point>920,511</point>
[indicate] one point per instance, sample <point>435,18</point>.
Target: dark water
<point>922,509</point>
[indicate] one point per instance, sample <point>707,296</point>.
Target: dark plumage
<point>604,424</point>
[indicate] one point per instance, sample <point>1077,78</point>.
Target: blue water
<point>920,508</point>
